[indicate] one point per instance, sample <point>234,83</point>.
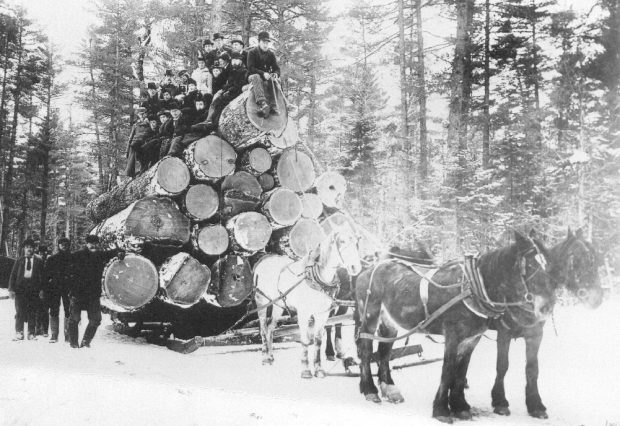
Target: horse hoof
<point>391,393</point>
<point>539,414</point>
<point>373,397</point>
<point>306,374</point>
<point>462,415</point>
<point>331,358</point>
<point>320,374</point>
<point>502,411</point>
<point>267,361</point>
<point>444,419</point>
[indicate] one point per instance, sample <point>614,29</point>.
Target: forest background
<point>454,121</point>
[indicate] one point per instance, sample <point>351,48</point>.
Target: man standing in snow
<point>58,280</point>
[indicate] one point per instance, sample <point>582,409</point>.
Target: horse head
<point>344,245</point>
<point>577,264</point>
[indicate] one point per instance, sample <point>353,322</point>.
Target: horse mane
<point>418,255</point>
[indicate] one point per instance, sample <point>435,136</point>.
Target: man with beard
<point>262,66</point>
<point>88,266</point>
<point>232,88</point>
<point>200,111</point>
<point>58,280</point>
<point>26,288</point>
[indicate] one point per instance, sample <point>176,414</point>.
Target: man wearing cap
<point>152,100</point>
<point>237,47</point>
<point>219,46</point>
<point>191,95</point>
<point>85,291</point>
<point>262,66</point>
<point>202,76</point>
<point>208,53</point>
<point>166,99</point>
<point>58,278</point>
<point>140,133</point>
<point>26,288</point>
<point>182,121</point>
<point>151,148</point>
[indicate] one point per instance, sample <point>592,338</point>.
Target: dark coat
<point>140,133</point>
<point>190,99</point>
<point>200,116</point>
<point>88,271</point>
<point>182,125</point>
<point>172,88</point>
<point>18,284</point>
<point>152,105</point>
<point>58,273</point>
<point>166,130</point>
<point>221,79</point>
<point>235,82</point>
<point>260,62</point>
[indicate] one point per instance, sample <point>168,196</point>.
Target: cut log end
<point>129,284</point>
<point>232,280</point>
<point>299,240</point>
<point>295,170</point>
<point>184,279</point>
<point>256,161</point>
<point>249,231</point>
<point>330,187</point>
<point>201,202</point>
<point>172,176</point>
<point>210,158</point>
<point>212,240</point>
<point>282,207</point>
<point>267,182</point>
<point>312,206</point>
<point>241,193</point>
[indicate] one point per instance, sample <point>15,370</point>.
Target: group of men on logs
<point>175,114</point>
<point>38,285</point>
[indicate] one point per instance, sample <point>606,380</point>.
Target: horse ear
<point>523,243</point>
<point>579,233</point>
<point>533,234</point>
<point>569,233</point>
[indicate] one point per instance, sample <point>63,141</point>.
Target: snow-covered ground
<point>127,381</point>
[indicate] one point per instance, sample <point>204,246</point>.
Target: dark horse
<point>389,295</point>
<point>573,265</point>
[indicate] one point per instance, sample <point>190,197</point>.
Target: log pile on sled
<point>194,225</point>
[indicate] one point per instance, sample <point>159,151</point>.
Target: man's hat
<point>182,72</point>
<point>225,56</point>
<point>207,41</point>
<point>43,248</point>
<point>151,85</point>
<point>168,73</point>
<point>218,36</point>
<point>163,112</point>
<point>190,81</point>
<point>238,40</point>
<point>152,117</point>
<point>64,240</point>
<point>92,239</point>
<point>264,35</point>
<point>199,98</point>
<point>174,105</point>
<point>216,68</point>
<point>236,55</point>
<point>28,242</point>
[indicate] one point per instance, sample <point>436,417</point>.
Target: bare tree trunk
<point>216,15</point>
<point>423,163</point>
<point>5,66</point>
<point>312,107</point>
<point>47,142</point>
<point>486,129</point>
<point>93,93</point>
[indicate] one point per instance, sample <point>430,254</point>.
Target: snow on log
<point>129,284</point>
<point>210,158</point>
<point>312,206</point>
<point>256,161</point>
<point>330,187</point>
<point>295,170</point>
<point>200,202</point>
<point>267,182</point>
<point>282,207</point>
<point>211,240</point>
<point>249,232</point>
<point>184,280</point>
<point>300,239</point>
<point>152,219</point>
<point>241,193</point>
<point>231,281</point>
<point>168,177</point>
<point>240,122</point>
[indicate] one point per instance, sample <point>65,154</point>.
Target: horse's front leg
<point>267,325</point>
<point>534,404</point>
<point>364,352</point>
<point>319,329</point>
<point>386,384</point>
<point>441,411</point>
<point>498,395</point>
<point>458,405</point>
<point>303,321</point>
<point>330,355</point>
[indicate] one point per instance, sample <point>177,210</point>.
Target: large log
<point>168,177</point>
<point>210,158</point>
<point>336,220</point>
<point>184,280</point>
<point>240,122</point>
<point>287,139</point>
<point>256,161</point>
<point>241,193</point>
<point>330,187</point>
<point>232,280</point>
<point>129,284</point>
<point>300,239</point>
<point>312,205</point>
<point>249,232</point>
<point>211,240</point>
<point>200,202</point>
<point>267,182</point>
<point>282,207</point>
<point>295,170</point>
<point>155,220</point>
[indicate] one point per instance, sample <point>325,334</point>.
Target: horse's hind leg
<point>534,404</point>
<point>303,321</point>
<point>388,389</point>
<point>330,355</point>
<point>498,395</point>
<point>458,405</point>
<point>266,323</point>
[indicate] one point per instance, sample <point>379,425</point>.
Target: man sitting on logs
<point>192,93</point>
<point>201,111</point>
<point>140,133</point>
<point>167,99</point>
<point>237,47</point>
<point>208,53</point>
<point>151,149</point>
<point>85,292</point>
<point>262,66</point>
<point>216,85</point>
<point>167,85</point>
<point>181,121</point>
<point>152,103</point>
<point>232,89</point>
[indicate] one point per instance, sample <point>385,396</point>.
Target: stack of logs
<point>194,226</point>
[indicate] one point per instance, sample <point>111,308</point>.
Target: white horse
<point>281,280</point>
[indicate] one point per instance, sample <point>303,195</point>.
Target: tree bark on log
<point>200,202</point>
<point>232,280</point>
<point>211,240</point>
<point>168,177</point>
<point>249,232</point>
<point>210,158</point>
<point>184,280</point>
<point>256,161</point>
<point>330,187</point>
<point>300,239</point>
<point>282,207</point>
<point>241,192</point>
<point>312,206</point>
<point>155,220</point>
<point>295,170</point>
<point>129,284</point>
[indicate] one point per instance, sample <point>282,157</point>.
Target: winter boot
<point>66,330</point>
<point>32,336</point>
<point>54,326</point>
<point>74,335</point>
<point>18,336</point>
<point>263,109</point>
<point>89,333</point>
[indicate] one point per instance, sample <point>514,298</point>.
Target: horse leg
<point>458,405</point>
<point>441,410</point>
<point>338,333</point>
<point>534,404</point>
<point>303,322</point>
<point>329,348</point>
<point>267,325</point>
<point>386,384</point>
<point>319,327</point>
<point>364,352</point>
<point>498,395</point>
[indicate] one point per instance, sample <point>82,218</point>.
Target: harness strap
<point>274,301</point>
<point>424,289</point>
<point>422,325</point>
